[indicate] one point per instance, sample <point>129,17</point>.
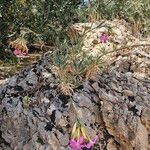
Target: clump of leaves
<point>74,64</point>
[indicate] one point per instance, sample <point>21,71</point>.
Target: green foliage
<point>73,64</point>
<point>133,11</point>
<point>47,18</point>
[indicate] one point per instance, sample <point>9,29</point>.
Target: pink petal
<point>92,142</point>
<point>89,145</point>
<point>19,54</point>
<point>16,52</point>
<point>104,38</point>
<point>81,140</point>
<point>95,139</point>
<point>75,145</point>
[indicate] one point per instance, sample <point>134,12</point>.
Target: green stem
<point>119,49</point>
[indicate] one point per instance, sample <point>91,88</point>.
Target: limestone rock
<point>34,115</point>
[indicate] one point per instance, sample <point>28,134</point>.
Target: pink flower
<point>81,143</point>
<point>104,38</point>
<point>18,53</point>
<point>76,145</point>
<point>80,139</point>
<point>92,142</point>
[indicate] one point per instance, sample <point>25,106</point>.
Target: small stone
<point>45,100</point>
<point>95,42</point>
<point>95,86</point>
<point>48,112</point>
<point>128,93</point>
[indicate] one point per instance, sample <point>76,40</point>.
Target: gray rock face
<point>36,116</point>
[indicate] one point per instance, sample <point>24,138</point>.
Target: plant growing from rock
<point>73,64</point>
<point>80,139</point>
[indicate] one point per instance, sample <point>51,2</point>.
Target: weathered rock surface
<point>119,35</point>
<point>36,115</point>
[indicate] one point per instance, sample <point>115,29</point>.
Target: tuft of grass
<point>73,64</point>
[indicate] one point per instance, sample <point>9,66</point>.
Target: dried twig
<point>125,47</point>
<point>42,46</point>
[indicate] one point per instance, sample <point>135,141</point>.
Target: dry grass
<point>20,44</point>
<point>66,88</point>
<point>92,71</point>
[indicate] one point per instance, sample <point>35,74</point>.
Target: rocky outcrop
<point>115,104</point>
